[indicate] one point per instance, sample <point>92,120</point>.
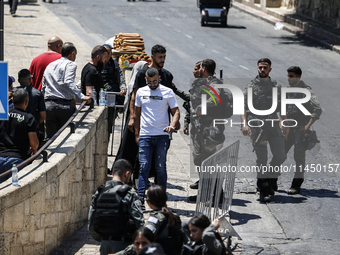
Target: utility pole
<point>1,30</point>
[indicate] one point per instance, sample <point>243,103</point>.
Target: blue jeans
<point>149,145</point>
<point>6,163</point>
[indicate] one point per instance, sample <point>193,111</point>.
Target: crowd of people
<point>48,92</point>
<point>52,96</point>
<point>116,220</point>
<point>153,110</point>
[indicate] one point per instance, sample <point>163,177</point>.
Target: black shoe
<point>294,191</point>
<point>264,197</point>
<point>271,191</point>
<point>194,185</point>
<point>192,198</point>
<point>264,186</point>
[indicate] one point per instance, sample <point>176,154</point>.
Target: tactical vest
<point>293,112</point>
<point>263,97</point>
<point>109,218</point>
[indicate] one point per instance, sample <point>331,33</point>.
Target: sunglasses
<point>152,82</point>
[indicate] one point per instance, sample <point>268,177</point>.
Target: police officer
<point>202,125</point>
<point>204,237</point>
<point>115,211</point>
<point>295,135</point>
<point>270,132</point>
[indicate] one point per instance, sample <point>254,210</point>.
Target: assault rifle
<point>192,116</point>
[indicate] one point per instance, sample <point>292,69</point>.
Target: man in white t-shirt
<point>152,120</point>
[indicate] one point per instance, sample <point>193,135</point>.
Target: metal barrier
<point>217,177</point>
<point>42,151</point>
<point>111,102</point>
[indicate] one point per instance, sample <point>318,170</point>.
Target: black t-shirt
<point>110,76</point>
<point>90,76</point>
<point>166,78</point>
<point>14,140</point>
<point>36,102</point>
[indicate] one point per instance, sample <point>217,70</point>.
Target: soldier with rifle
<point>263,132</point>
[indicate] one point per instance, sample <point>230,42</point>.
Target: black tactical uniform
<point>128,216</point>
<point>208,245</point>
<point>269,133</point>
<point>295,137</point>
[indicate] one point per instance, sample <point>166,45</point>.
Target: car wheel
<point>202,22</point>
<point>224,23</point>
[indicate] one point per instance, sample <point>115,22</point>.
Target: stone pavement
<point>261,226</point>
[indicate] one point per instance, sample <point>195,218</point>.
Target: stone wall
<point>326,11</point>
<point>53,198</point>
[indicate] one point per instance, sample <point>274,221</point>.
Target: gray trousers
<point>57,114</point>
<point>274,137</point>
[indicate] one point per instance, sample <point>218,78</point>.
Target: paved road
<point>303,224</point>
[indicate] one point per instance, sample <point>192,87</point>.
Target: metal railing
<point>42,151</point>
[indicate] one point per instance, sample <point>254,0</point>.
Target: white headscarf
<point>138,66</point>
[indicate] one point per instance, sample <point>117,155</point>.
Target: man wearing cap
<point>39,63</point>
<point>295,135</point>
<point>60,90</point>
<point>36,105</point>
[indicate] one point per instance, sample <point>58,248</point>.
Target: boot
<point>265,190</point>
<point>194,185</point>
<point>268,187</point>
<point>296,186</point>
<point>273,184</point>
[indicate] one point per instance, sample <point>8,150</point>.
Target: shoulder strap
<point>123,190</point>
<point>101,189</point>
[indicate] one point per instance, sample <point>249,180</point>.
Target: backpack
<point>108,218</point>
<point>174,242</point>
